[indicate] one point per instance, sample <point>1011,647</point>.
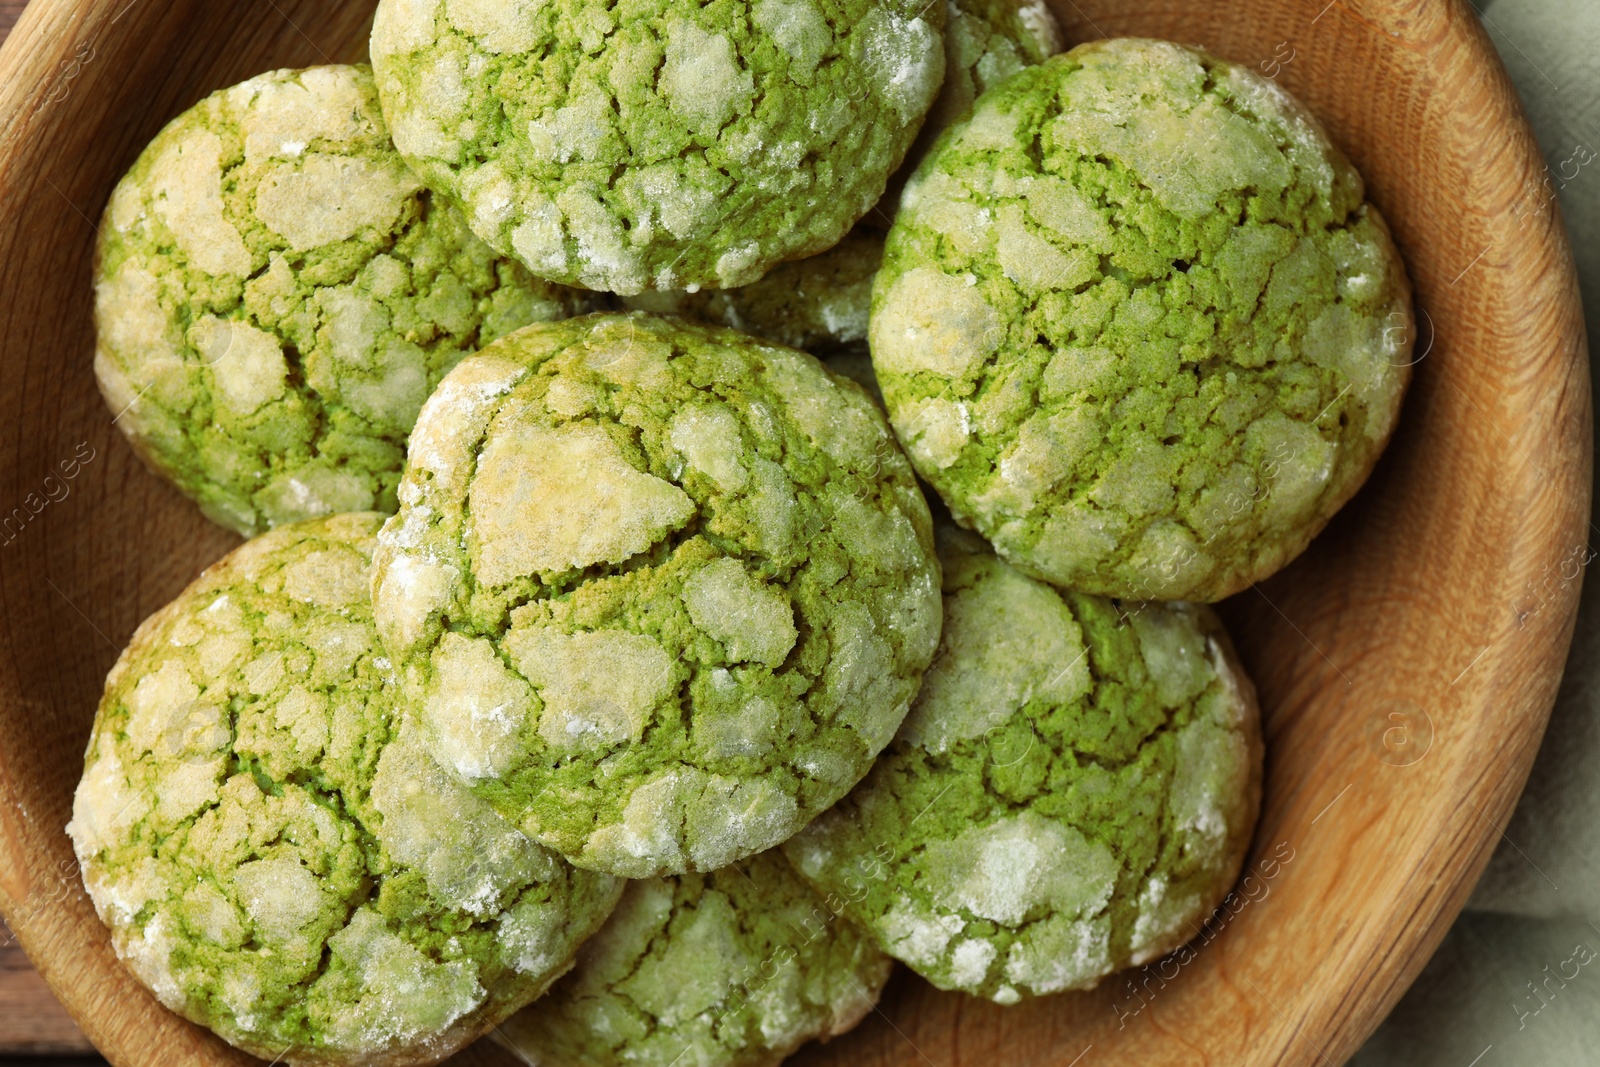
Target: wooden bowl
<point>1406,663</point>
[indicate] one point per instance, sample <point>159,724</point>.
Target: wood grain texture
<point>32,1020</point>
<point>9,11</point>
<point>1440,598</point>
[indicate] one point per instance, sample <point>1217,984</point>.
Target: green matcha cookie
<point>661,592</point>
<point>1073,792</point>
<point>856,365</point>
<point>1137,326</point>
<point>736,968</point>
<point>985,42</point>
<point>272,862</point>
<point>658,145</point>
<point>819,305</point>
<point>275,296</point>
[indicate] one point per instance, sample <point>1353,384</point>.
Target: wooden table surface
<point>31,1022</point>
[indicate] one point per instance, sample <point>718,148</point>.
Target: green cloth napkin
<point>1517,981</point>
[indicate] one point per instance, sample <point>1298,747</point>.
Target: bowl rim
<point>45,42</point>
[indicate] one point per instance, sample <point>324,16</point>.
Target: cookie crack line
<point>781,662</point>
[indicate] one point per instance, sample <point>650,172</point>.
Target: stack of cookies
<point>598,672</point>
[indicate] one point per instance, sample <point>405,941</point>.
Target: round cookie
<point>272,861</point>
<point>276,294</point>
<point>819,305</point>
<point>985,42</point>
<point>856,365</point>
<point>671,147</point>
<point>1137,326</point>
<point>736,968</point>
<point>660,591</point>
<point>1076,785</point>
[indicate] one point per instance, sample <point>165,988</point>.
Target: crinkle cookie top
<point>856,365</point>
<point>985,42</point>
<point>736,968</point>
<point>653,144</point>
<point>276,294</point>
<point>1077,782</point>
<point>1137,326</point>
<point>661,592</point>
<point>272,863</point>
<point>819,305</point>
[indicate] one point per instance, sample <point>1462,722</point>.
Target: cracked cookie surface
<point>736,968</point>
<point>821,304</point>
<point>1077,782</point>
<point>1137,325</point>
<point>274,856</point>
<point>654,145</point>
<point>985,42</point>
<point>661,592</point>
<point>276,294</point>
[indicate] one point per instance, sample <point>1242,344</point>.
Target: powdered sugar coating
<point>275,858</point>
<point>819,304</point>
<point>1137,325</point>
<point>985,42</point>
<point>1074,788</point>
<point>735,968</point>
<point>689,576</point>
<point>666,147</point>
<point>276,294</point>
